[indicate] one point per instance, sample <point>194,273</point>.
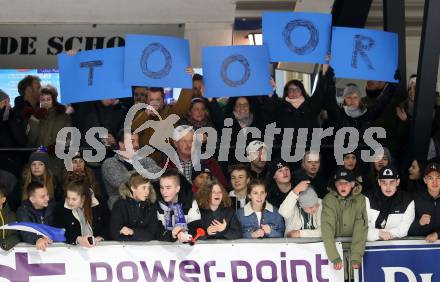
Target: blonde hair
<point>134,181</point>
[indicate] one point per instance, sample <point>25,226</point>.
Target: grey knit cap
<point>39,156</point>
<point>308,198</point>
<point>351,89</point>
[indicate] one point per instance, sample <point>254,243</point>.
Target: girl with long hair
<point>258,218</point>
<point>218,218</point>
<point>82,216</point>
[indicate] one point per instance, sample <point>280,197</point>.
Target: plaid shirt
<point>187,169</point>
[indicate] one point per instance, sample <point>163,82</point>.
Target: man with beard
<point>118,169</point>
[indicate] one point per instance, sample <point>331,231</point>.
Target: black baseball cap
<point>344,174</point>
<point>388,172</point>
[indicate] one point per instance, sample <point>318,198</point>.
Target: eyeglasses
<point>294,89</point>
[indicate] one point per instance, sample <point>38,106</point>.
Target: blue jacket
<point>249,221</point>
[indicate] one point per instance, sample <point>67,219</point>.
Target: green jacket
<point>344,217</point>
<point>44,130</point>
<point>8,238</point>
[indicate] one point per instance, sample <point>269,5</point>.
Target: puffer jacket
<point>141,217</point>
<point>344,217</point>
<point>400,217</point>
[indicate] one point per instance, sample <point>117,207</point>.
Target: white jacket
<point>398,223</point>
<point>294,220</point>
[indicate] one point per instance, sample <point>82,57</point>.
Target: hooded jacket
<point>8,238</point>
<point>294,219</point>
<point>67,218</point>
<point>319,182</point>
<point>27,213</point>
<point>116,171</point>
<point>400,216</point>
<point>141,217</point>
<point>344,217</point>
<point>425,204</point>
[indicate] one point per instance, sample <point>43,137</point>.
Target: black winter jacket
<point>64,218</point>
<point>233,228</point>
<point>425,204</point>
<point>111,117</point>
<point>339,118</point>
<point>306,115</point>
<point>27,213</point>
<point>141,217</point>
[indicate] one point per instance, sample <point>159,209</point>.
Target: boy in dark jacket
<point>37,209</point>
<point>134,215</point>
<point>427,216</point>
<point>8,238</point>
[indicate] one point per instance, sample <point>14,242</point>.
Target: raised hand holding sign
<point>364,54</point>
<point>159,61</point>
<point>297,37</point>
<point>236,71</point>
<point>92,75</point>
